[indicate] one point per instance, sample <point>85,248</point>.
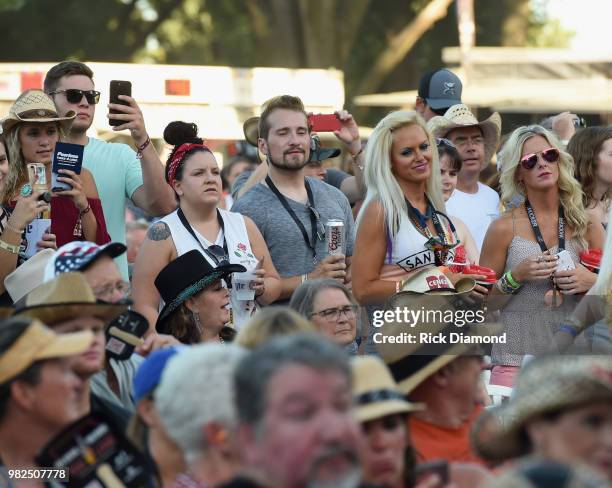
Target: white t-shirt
<point>477,210</point>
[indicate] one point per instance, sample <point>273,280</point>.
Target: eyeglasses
<point>333,314</point>
<point>440,141</point>
<point>75,96</point>
<point>550,155</point>
<point>106,291</point>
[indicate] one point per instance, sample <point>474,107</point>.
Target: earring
<point>198,323</point>
<point>220,436</point>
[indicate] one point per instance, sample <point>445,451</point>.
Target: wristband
<point>143,147</point>
<point>568,330</point>
<point>511,280</point>
<point>12,248</point>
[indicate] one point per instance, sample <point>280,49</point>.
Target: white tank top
<point>238,248</point>
<point>407,253</point>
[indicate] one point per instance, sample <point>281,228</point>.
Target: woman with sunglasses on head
<point>401,226</point>
<point>466,252</point>
<point>192,171</point>
<point>591,149</point>
<point>522,246</point>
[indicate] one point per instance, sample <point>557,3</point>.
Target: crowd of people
<point>255,333</point>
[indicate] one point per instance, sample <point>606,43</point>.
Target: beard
<point>290,162</point>
<point>350,478</point>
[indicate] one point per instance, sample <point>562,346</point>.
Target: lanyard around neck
<point>189,229</point>
<point>538,233</point>
<point>298,222</point>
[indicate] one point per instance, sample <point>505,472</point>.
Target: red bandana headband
<point>179,154</point>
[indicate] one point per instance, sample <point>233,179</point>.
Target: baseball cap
<point>150,371</point>
<point>78,256</point>
<point>39,342</point>
<point>440,88</point>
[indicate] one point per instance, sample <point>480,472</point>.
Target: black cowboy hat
<point>187,275</point>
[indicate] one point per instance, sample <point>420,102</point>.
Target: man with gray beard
<point>295,410</point>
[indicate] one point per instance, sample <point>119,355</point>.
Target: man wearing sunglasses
<point>119,172</point>
<point>290,209</point>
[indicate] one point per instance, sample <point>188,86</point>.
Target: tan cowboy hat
<point>375,391</point>
<point>545,385</point>
<point>39,342</point>
<point>35,106</point>
<point>251,130</point>
<point>459,116</point>
<point>64,298</point>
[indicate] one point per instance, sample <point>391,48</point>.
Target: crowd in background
<point>231,337</point>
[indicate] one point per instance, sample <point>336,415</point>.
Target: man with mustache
<point>290,209</point>
<point>295,411</point>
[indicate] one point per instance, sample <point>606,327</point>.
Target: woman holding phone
<point>526,244</point>
<point>31,131</point>
<point>193,173</point>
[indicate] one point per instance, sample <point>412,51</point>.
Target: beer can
<point>334,237</point>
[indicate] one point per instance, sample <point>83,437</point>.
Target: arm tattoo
<point>159,231</point>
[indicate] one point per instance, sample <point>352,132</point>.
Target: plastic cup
<point>243,284</point>
<point>591,259</point>
<point>491,277</point>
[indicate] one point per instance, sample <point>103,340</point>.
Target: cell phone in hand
<point>324,122</point>
<point>565,261</point>
<point>118,87</point>
<point>440,467</point>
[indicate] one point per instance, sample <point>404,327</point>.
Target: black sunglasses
<point>550,155</point>
<point>75,96</point>
<point>320,227</point>
<point>440,141</point>
<point>217,253</point>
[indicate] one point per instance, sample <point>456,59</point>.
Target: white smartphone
<point>565,261</point>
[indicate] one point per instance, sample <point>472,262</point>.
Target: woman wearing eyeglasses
<point>220,236</point>
<point>522,246</point>
<point>330,307</point>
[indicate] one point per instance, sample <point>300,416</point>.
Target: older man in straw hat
<point>474,203</point>
<point>561,411</point>
<point>39,390</point>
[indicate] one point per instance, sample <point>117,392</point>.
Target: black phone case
<point>117,88</point>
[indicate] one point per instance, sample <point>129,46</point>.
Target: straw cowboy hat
<point>545,385</point>
<point>35,106</point>
<point>318,153</point>
<point>459,116</point>
<point>375,392</point>
<point>428,291</point>
<point>64,298</point>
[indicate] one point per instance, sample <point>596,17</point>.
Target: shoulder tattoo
<point>159,231</point>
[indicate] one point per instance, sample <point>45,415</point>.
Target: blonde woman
<point>401,226</point>
<point>522,245</point>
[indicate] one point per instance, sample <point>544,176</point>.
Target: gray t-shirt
<point>125,372</point>
<point>290,253</point>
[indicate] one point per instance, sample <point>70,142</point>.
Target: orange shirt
<point>434,442</point>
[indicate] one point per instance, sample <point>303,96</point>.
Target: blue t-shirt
<point>118,174</point>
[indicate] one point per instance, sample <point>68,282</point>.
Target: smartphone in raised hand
<point>118,87</point>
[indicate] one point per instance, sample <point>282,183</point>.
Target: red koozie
<point>591,259</point>
<point>491,277</point>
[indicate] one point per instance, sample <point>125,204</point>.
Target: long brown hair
<point>585,147</point>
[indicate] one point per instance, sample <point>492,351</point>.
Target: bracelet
<point>12,248</point>
<point>354,156</point>
<point>568,330</point>
<point>512,281</point>
<point>85,210</point>
<point>145,144</point>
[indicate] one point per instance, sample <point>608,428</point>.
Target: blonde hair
<point>271,322</point>
<point>18,167</point>
<point>381,184</point>
<point>570,193</point>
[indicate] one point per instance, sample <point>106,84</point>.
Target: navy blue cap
<point>150,371</point>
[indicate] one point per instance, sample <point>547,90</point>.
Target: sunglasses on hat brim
<point>75,96</point>
<point>550,155</point>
